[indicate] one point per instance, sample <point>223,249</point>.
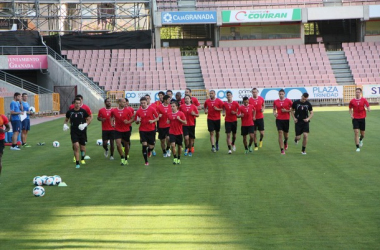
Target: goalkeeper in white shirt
<point>79,119</point>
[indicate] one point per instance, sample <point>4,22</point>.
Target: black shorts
<point>125,136</point>
<point>282,125</point>
<point>189,131</point>
<point>213,125</point>
<point>81,138</point>
<point>148,137</point>
<point>108,135</point>
<point>163,133</point>
<point>245,130</point>
<point>177,139</point>
<point>258,124</point>
<point>301,127</point>
<point>359,124</point>
<point>230,127</point>
<point>1,146</point>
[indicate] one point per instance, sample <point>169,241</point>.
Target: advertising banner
<point>134,96</point>
<point>18,62</point>
<point>188,17</point>
<point>269,15</point>
<point>374,11</point>
<point>371,91</point>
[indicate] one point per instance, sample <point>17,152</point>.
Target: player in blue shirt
<point>25,124</point>
<point>16,110</point>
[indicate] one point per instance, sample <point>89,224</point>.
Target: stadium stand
<point>135,69</point>
<point>364,61</point>
<point>269,66</point>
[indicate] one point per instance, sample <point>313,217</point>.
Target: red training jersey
<point>247,119</point>
<point>279,105</point>
<point>120,116</point>
<point>358,105</point>
<point>106,113</point>
<point>212,113</point>
<point>165,111</point>
<point>228,107</point>
<point>3,121</point>
<point>145,115</point>
<point>194,101</point>
<point>175,124</point>
<point>187,109</point>
<point>258,104</point>
<point>84,106</point>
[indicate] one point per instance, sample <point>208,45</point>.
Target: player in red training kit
<point>164,110</point>
<point>176,120</point>
<point>212,107</point>
<point>230,110</point>
<point>108,132</point>
<point>146,117</point>
<point>247,114</point>
<point>259,103</point>
<point>358,113</point>
<point>281,109</point>
<point>122,118</point>
<point>4,122</point>
<point>191,112</point>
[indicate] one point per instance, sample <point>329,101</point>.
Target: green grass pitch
<point>327,199</point>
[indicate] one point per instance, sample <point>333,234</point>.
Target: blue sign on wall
<point>188,17</point>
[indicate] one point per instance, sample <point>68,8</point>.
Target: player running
<point>301,109</point>
<point>358,114</point>
<point>164,111</point>
<point>212,107</point>
<point>191,112</point>
<point>108,132</point>
<point>230,110</point>
<point>146,117</point>
<point>4,122</point>
<point>281,109</point>
<point>259,103</point>
<point>122,117</point>
<point>176,120</point>
<point>79,120</point>
<point>247,114</point>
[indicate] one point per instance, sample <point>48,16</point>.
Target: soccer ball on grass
<point>38,191</point>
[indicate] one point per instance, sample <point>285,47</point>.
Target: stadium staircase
<point>340,67</point>
<point>193,75</point>
<point>21,83</point>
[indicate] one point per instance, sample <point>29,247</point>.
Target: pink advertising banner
<point>27,62</point>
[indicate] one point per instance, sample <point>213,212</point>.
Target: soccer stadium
<point>152,81</point>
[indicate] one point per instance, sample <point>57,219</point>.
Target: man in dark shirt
<point>79,119</point>
<point>303,112</point>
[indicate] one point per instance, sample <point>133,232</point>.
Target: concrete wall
<point>336,12</point>
<point>59,76</point>
<point>269,42</point>
<point>371,38</point>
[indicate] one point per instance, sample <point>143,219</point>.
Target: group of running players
<point>175,122</point>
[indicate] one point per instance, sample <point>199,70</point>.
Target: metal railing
<point>82,77</point>
<point>14,80</point>
<point>23,50</point>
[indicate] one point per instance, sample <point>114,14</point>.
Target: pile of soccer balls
<point>39,191</point>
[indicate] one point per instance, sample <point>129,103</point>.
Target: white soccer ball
<point>57,179</point>
<point>56,144</point>
<point>44,179</point>
<point>38,191</point>
<point>50,181</point>
<point>32,109</point>
<point>99,142</point>
<point>37,181</point>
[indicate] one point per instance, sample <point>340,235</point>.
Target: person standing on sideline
<point>4,122</point>
<point>164,111</point>
<point>281,109</point>
<point>146,117</point>
<point>301,109</point>
<point>108,132</point>
<point>230,110</point>
<point>259,103</point>
<point>16,109</point>
<point>176,120</point>
<point>25,124</point>
<point>247,114</point>
<point>212,107</point>
<point>358,114</point>
<point>191,112</point>
<point>122,117</point>
<point>170,93</point>
<point>79,120</point>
